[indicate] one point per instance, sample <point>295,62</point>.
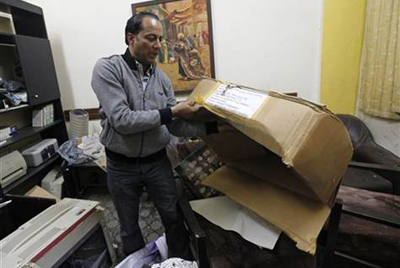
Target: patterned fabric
<point>380,74</point>
<point>196,167</point>
<point>175,263</point>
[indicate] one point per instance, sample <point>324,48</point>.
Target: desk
<point>81,176</point>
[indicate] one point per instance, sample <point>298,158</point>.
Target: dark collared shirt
<point>136,65</point>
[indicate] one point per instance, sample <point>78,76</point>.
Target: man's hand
<point>185,108</point>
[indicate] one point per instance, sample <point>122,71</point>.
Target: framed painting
<point>187,52</point>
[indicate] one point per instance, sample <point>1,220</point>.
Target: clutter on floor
<point>154,252</point>
<point>175,263</point>
<point>149,219</point>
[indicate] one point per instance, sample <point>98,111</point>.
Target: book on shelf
<point>43,116</point>
<point>6,132</point>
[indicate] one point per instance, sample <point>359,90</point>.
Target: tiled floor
<point>150,221</point>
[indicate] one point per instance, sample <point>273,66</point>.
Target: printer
<point>12,167</point>
<point>40,152</point>
<point>70,233</point>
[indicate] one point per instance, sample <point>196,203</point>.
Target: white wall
<point>81,32</point>
<point>272,44</point>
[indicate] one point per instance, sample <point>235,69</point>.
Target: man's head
<point>143,35</point>
<point>181,37</point>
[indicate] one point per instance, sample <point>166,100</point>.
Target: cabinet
<point>38,69</point>
<point>25,55</point>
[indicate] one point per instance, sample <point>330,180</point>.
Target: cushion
<point>366,179</point>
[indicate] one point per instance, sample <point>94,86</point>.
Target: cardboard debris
<point>284,162</point>
<point>37,191</point>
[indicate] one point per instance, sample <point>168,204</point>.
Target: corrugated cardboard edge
<point>320,171</point>
<point>276,205</point>
<point>37,191</point>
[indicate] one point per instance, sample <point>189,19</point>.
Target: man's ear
<point>130,38</point>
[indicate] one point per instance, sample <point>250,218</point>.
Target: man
<point>139,112</point>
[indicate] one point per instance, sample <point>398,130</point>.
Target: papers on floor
<point>230,215</point>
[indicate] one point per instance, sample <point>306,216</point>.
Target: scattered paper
<point>232,216</point>
<point>91,146</point>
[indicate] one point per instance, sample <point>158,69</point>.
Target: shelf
<point>27,132</point>
<point>7,39</point>
<point>30,173</point>
<point>22,106</point>
<point>8,6</point>
<point>24,40</point>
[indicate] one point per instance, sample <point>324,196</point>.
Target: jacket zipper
<point>144,107</point>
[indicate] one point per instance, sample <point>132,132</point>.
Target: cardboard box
<point>284,162</point>
<point>37,191</point>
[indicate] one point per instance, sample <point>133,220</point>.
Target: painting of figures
<point>186,53</point>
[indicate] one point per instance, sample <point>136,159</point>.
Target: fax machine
<point>13,166</point>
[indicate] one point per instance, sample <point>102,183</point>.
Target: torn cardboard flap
<point>299,217</point>
<point>308,152</point>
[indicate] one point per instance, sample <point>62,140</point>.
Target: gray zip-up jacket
<point>136,122</point>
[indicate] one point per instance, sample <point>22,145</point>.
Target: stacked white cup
<point>79,123</point>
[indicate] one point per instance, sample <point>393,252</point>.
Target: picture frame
<point>187,51</point>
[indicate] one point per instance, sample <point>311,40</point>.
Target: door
<point>38,69</point>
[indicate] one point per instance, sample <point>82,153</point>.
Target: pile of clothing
<point>12,93</point>
<point>173,263</point>
<point>155,255</point>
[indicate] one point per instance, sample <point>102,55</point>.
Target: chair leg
<point>68,175</point>
<point>333,228</point>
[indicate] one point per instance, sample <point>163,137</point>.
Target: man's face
<point>147,43</point>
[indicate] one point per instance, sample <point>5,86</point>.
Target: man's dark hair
<point>134,24</point>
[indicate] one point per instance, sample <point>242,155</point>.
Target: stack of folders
<point>6,23</point>
<point>43,116</point>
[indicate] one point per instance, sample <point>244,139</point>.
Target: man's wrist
<point>173,111</point>
<point>166,115</point>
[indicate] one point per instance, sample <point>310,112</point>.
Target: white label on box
<point>237,100</point>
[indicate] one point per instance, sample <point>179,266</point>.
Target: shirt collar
<point>133,63</point>
<point>141,70</point>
